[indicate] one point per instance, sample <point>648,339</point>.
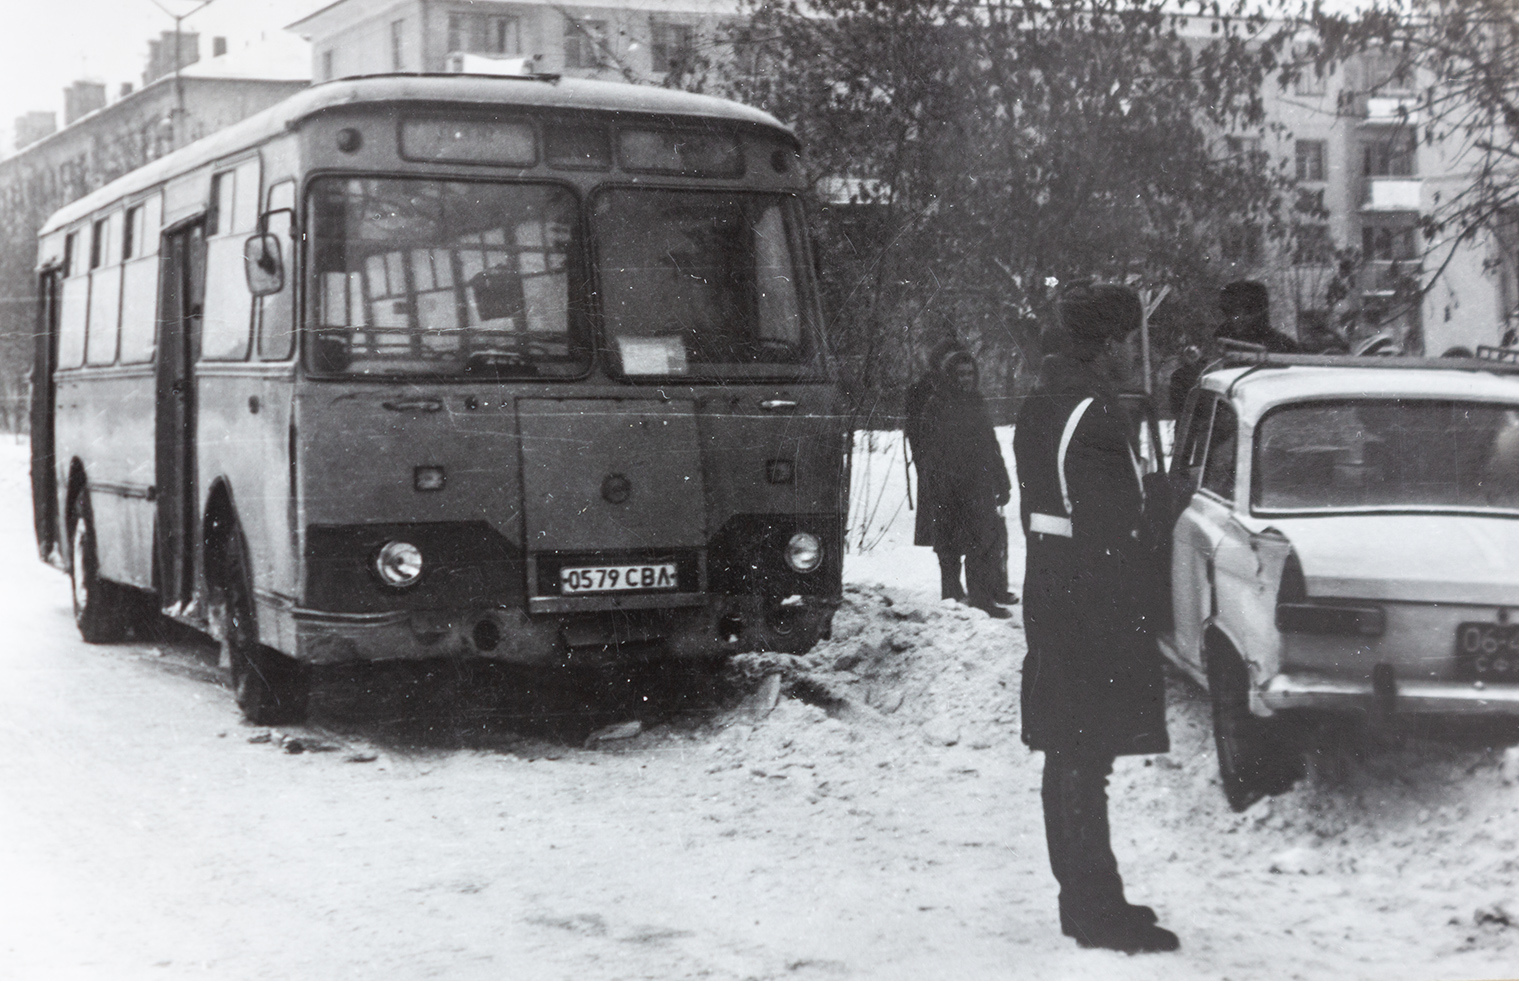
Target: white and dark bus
<point>445,366</point>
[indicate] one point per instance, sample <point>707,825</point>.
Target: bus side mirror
<point>262,265</point>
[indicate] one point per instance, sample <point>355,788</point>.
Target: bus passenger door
<point>180,298</point>
<point>44,404</point>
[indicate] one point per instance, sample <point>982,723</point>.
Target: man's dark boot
<point>949,577</point>
<point>992,609</point>
<point>1131,929</point>
<point>1140,914</point>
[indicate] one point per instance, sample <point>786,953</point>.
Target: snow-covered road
<point>146,833</point>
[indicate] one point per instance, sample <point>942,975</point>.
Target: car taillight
<point>1297,614</point>
<point>1329,617</point>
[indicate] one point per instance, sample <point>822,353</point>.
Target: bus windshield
<point>702,283</point>
<point>453,278</point>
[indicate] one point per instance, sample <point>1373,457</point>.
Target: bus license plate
<point>1489,651</point>
<point>617,578</point>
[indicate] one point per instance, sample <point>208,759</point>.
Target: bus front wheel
<point>101,608</point>
<point>270,688</point>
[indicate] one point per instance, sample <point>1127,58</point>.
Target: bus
<point>422,366</point>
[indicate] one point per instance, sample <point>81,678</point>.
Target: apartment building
<point>635,40</point>
<point>1365,177</point>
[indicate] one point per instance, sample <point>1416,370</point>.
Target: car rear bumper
<point>1303,691</point>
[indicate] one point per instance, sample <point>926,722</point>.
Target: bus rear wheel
<point>270,688</point>
<point>102,609</point>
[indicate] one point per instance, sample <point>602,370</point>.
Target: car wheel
<point>270,688</point>
<point>102,609</point>
<point>1255,759</point>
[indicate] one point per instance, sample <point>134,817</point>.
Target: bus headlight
<point>804,552</point>
<point>398,564</point>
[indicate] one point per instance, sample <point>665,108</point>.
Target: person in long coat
<point>1092,683</point>
<point>962,480</point>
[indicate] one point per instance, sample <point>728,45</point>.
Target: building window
<point>70,249</point>
<point>1244,151</point>
<point>1389,243</point>
<point>327,65</point>
<point>1310,80</point>
<point>484,34</point>
<point>1310,203</point>
<point>1386,71</point>
<point>397,38</point>
<point>583,40</point>
<point>673,46</point>
<point>1310,160</point>
<point>1311,245</point>
<point>1390,156</point>
<point>504,35</point>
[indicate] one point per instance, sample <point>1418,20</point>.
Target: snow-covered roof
<point>279,56</point>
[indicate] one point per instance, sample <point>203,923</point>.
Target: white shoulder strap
<point>1065,444</point>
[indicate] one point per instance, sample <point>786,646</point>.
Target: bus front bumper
<point>719,625</point>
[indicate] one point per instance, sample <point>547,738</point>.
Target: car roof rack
<point>1495,360</point>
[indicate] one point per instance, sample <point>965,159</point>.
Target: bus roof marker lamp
<point>349,140</point>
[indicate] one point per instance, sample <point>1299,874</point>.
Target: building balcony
<point>1384,110</point>
<point>1384,194</point>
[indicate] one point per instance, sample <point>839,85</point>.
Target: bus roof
<point>541,92</point>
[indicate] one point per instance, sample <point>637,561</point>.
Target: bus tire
<point>1255,759</point>
<point>270,688</point>
<point>102,609</point>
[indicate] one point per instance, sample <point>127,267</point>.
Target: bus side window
<point>139,283</point>
<point>276,312</point>
<point>780,317</point>
<point>73,306</point>
<point>105,292</point>
<point>227,320</point>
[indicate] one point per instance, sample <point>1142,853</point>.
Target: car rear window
<point>1387,453</point>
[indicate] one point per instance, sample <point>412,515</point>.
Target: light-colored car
<point>1349,541</point>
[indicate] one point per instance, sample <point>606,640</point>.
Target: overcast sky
<point>47,44</point>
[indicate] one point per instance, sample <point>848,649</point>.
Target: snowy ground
<point>882,821</point>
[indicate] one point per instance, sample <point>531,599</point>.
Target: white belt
<point>1049,524</point>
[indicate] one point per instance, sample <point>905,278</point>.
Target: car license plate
<point>1489,651</point>
<point>617,578</point>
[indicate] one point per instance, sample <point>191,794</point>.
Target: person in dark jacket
<point>1092,684</point>
<point>1246,307</point>
<point>962,479</point>
<point>914,428</point>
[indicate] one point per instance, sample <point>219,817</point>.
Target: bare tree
<point>971,156</point>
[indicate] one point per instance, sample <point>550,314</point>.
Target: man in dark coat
<point>962,480</point>
<point>1092,684</point>
<point>1246,306</point>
